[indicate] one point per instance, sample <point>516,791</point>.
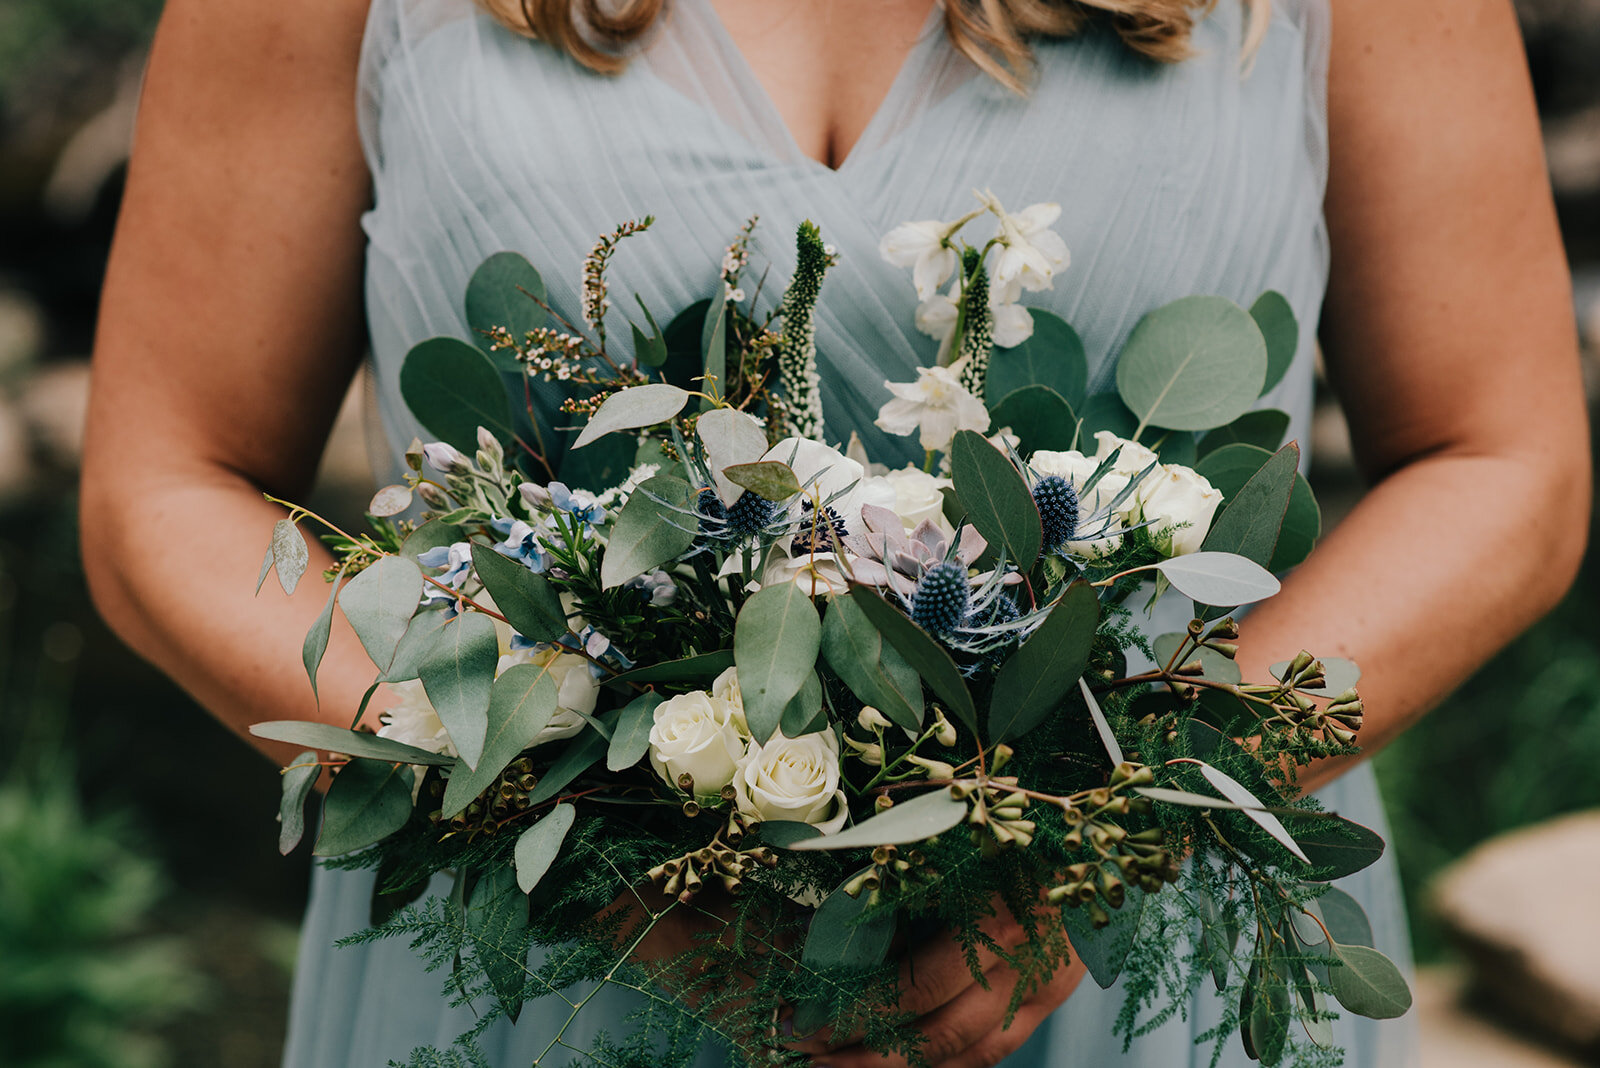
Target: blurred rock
<point>21,330</point>
<point>1522,909</point>
<point>1452,1036</point>
<point>53,405</point>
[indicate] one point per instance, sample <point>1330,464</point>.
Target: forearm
<point>172,565</point>
<point>1440,565</point>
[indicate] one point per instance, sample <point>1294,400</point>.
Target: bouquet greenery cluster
<point>693,659</point>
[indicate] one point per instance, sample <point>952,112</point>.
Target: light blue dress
<point>1173,181</point>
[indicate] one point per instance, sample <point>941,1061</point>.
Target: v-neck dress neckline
<point>893,113</point>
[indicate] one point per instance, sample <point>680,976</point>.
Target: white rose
<point>576,689</point>
<point>1130,461</point>
<point>917,497</point>
<point>793,779</point>
<point>412,720</point>
<point>698,735</point>
<point>1178,504</point>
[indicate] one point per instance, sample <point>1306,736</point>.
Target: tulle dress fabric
<point>1173,181</point>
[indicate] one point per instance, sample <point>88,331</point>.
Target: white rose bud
<point>695,734</point>
<point>870,719</point>
<point>793,779</point>
<point>1179,505</point>
<point>917,497</point>
<point>446,458</point>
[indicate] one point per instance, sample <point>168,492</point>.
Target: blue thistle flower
<point>809,538</point>
<point>942,598</point>
<point>1057,501</point>
<point>750,514</point>
<point>712,512</point>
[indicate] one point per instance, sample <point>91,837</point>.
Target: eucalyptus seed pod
<point>1348,721</point>
<point>728,793</point>
<point>1193,667</point>
<point>1072,840</point>
<point>1226,629</point>
<point>1002,756</point>
<point>691,808</point>
<point>1111,888</point>
<point>1098,916</point>
<point>686,783</point>
<point>1302,660</point>
<point>1348,697</point>
<point>1342,736</point>
<point>882,803</point>
<point>1227,649</point>
<point>1057,894</point>
<point>882,855</point>
<point>730,885</point>
<point>1195,627</point>
<point>1077,873</point>
<point>527,781</point>
<point>1099,797</point>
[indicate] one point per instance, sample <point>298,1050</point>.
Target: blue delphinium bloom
<point>580,504</point>
<point>522,544</point>
<point>656,587</point>
<point>457,563</point>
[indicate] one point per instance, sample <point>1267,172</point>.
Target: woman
<point>232,320</point>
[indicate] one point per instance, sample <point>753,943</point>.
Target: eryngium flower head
<point>814,537</point>
<point>750,514</point>
<point>942,598</point>
<point>1057,501</point>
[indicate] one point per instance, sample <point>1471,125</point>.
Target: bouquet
<point>688,658</point>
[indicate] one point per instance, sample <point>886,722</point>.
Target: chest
<point>826,65</point>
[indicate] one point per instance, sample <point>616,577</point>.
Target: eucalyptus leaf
<point>1039,675</point>
<point>633,409</point>
<point>648,350</point>
<point>379,604</point>
<point>875,672</point>
<point>430,535</point>
<point>714,346</point>
<point>1106,950</point>
<point>505,291</point>
<point>1228,469</point>
<point>1250,521</point>
<point>423,630</point>
<point>804,713</point>
<point>368,801</point>
<point>1053,357</point>
<point>539,845</point>
<point>907,822</point>
<point>1281,332</point>
<point>497,925</point>
<point>631,739</point>
<point>841,936</point>
<point>353,743</point>
<point>924,655</point>
<point>765,478</point>
<point>391,500</point>
<point>521,704</point>
<point>457,674</point>
<point>298,779</point>
<point>1194,364</point>
<point>528,601</point>
<point>1104,411</point>
<point>775,643</point>
<point>1269,1014</point>
<point>1368,984</point>
<point>1263,428</point>
<point>650,530</point>
<point>1102,727</point>
<point>289,554</point>
<point>1211,577</point>
<point>606,462</point>
<point>581,754</point>
<point>730,437</point>
<point>316,639</point>
<point>1040,418</point>
<point>1344,918</point>
<point>266,566</point>
<point>701,668</point>
<point>996,498</point>
<point>685,348</point>
<point>782,834</point>
<point>453,389</point>
<point>1252,807</point>
<point>1337,847</point>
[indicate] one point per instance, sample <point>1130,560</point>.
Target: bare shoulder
<point>231,317</point>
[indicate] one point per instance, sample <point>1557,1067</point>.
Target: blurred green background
<point>145,916</point>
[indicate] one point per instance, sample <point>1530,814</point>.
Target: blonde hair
<point>994,34</point>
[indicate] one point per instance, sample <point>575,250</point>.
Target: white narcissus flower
<point>923,247</point>
<point>412,720</point>
<point>936,405</point>
<point>699,735</point>
<point>1012,325</point>
<point>793,779</point>
<point>1178,504</point>
<point>576,689</point>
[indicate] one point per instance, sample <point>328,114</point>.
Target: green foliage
<point>775,645</point>
<point>1040,674</point>
<point>1194,364</point>
<point>1052,357</point>
<point>453,389</point>
<point>1040,418</point>
<point>82,981</point>
<point>996,498</point>
<point>505,291</point>
<point>650,531</point>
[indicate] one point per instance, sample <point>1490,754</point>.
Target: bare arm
<point>229,328</point>
<point>1450,340</point>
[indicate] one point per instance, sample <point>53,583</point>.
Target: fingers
<point>936,972</point>
<point>967,1031</point>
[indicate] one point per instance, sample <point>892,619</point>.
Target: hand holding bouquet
<point>695,653</point>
